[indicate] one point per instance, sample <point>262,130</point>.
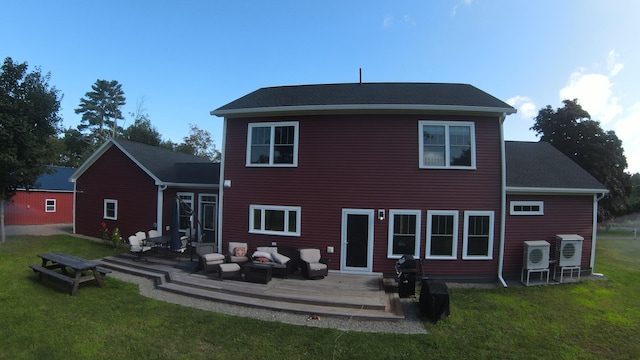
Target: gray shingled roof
<point>172,166</point>
<point>421,96</point>
<point>540,165</point>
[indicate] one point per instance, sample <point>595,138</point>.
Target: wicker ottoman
<point>229,270</point>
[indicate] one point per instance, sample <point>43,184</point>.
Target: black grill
<point>406,272</point>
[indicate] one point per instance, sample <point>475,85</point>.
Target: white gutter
<point>503,200</point>
<point>221,184</point>
<point>541,190</point>
<point>594,233</point>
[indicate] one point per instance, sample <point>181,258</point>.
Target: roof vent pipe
<point>360,76</point>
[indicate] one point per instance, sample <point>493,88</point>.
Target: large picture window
<point>447,144</point>
<point>404,233</point>
<point>478,235</point>
<point>272,144</point>
<point>274,220</point>
<point>442,234</point>
<point>110,209</point>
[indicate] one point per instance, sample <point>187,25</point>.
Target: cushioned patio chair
<point>137,245</point>
<point>313,266</point>
<point>208,258</point>
<point>237,253</point>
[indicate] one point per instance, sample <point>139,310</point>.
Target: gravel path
<point>411,325</point>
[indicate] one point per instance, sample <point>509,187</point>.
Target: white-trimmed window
<point>110,209</point>
<point>404,233</point>
<point>526,208</point>
<point>272,144</point>
<point>274,220</point>
<point>442,234</point>
<point>478,235</point>
<point>447,144</point>
<point>50,205</point>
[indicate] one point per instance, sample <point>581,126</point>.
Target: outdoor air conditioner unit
<point>536,254</point>
<point>569,249</point>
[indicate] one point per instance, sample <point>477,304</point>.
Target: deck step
<point>319,297</point>
<point>297,308</point>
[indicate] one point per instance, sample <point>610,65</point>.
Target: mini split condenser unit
<point>536,254</point>
<point>569,249</point>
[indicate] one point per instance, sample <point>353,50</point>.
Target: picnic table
<point>62,261</point>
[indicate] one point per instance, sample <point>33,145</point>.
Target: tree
<point>199,143</point>
<point>28,122</point>
<point>100,109</point>
<point>571,130</point>
<point>141,130</point>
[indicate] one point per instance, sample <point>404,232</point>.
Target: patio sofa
<point>269,255</point>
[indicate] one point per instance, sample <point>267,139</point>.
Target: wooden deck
<point>339,295</point>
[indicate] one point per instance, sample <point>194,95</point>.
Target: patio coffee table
<point>257,273</point>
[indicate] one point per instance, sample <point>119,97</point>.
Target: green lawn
<point>591,319</point>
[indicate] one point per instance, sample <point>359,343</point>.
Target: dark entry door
<point>357,240</point>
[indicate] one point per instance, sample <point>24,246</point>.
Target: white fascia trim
<point>536,190</point>
<point>188,186</point>
<point>361,107</point>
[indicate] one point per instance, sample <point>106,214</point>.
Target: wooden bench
<point>103,271</point>
<point>51,273</point>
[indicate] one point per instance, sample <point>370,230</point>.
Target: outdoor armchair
<point>237,253</point>
<point>313,266</point>
<point>137,244</point>
<point>209,260</point>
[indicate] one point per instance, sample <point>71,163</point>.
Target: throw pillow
<point>262,259</point>
<point>262,254</point>
<point>240,251</point>
<point>280,259</point>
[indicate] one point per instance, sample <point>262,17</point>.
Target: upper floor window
<point>274,220</point>
<point>478,235</point>
<point>447,144</point>
<point>404,233</point>
<point>50,205</point>
<point>526,208</point>
<point>110,209</point>
<point>273,144</point>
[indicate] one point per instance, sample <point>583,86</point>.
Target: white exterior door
<point>357,240</point>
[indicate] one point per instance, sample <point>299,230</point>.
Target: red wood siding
<point>28,208</point>
<point>361,162</point>
<point>115,176</point>
<point>563,214</point>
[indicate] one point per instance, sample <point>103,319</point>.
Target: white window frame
<point>447,145</point>
<point>454,245</point>
<point>515,204</point>
<point>50,208</point>
<point>115,209</point>
<point>273,126</point>
<point>286,209</point>
<point>392,213</point>
<point>465,244</point>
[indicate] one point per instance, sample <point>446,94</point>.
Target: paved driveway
<point>52,229</point>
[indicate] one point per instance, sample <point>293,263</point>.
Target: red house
<point>136,187</point>
<point>49,201</point>
<point>372,171</point>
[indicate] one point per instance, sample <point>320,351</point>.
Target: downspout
<point>503,200</point>
<point>73,210</point>
<point>594,233</point>
<point>221,184</point>
<point>159,224</point>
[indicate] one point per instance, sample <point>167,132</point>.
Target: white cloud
<point>454,11</point>
<point>526,107</point>
<point>593,91</point>
<point>628,131</point>
<point>387,21</point>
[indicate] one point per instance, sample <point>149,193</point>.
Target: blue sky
<point>186,58</point>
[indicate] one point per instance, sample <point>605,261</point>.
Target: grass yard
<point>588,320</point>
